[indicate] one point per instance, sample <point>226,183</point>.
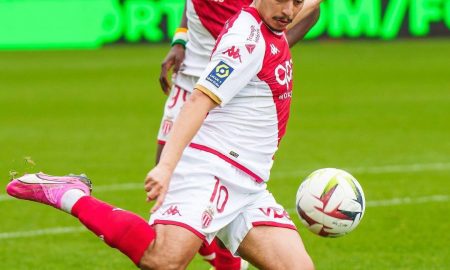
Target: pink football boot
<point>47,189</point>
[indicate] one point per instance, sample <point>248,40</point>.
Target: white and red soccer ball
<point>330,202</point>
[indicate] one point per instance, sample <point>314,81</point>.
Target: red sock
<point>208,251</point>
<point>120,229</point>
<point>225,260</point>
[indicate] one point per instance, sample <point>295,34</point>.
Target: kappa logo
<point>273,49</point>
<point>173,210</point>
<point>233,52</point>
<point>219,74</point>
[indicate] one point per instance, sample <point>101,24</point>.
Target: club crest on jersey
<point>219,74</point>
<point>167,126</point>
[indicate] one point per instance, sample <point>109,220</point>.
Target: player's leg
<point>208,252</point>
<point>120,229</point>
<point>173,249</point>
<point>263,233</point>
<point>225,260</point>
<point>161,247</point>
<point>276,248</point>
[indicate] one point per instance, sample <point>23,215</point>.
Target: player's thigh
<point>173,248</point>
<point>275,248</point>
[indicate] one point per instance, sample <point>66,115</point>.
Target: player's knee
<point>302,262</point>
<point>149,262</point>
<point>156,258</point>
<point>306,263</point>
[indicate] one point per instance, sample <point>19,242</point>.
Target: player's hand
<point>173,60</point>
<point>156,186</point>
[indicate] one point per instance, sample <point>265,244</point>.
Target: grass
<point>357,105</point>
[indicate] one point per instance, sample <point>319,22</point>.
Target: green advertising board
<point>46,24</point>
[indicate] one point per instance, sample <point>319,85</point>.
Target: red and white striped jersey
<point>205,22</point>
<point>250,76</point>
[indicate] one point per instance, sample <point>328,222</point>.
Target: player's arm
<point>186,126</point>
<point>230,69</point>
<point>175,56</point>
<point>304,21</point>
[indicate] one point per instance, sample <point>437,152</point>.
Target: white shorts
<point>182,87</point>
<point>210,197</point>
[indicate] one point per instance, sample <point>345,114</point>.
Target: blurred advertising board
<point>48,24</point>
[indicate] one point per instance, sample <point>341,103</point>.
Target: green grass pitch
<point>381,110</point>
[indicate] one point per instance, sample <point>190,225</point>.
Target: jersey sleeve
<point>236,59</point>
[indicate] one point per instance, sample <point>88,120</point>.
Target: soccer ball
<point>330,202</point>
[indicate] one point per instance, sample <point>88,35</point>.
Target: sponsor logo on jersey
<point>234,53</point>
<point>219,74</point>
<point>172,211</point>
<point>273,49</point>
<point>285,95</point>
<point>254,34</point>
<point>250,48</point>
<point>283,73</point>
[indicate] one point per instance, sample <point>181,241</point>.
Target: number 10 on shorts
<point>220,197</point>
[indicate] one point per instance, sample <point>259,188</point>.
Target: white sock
<point>69,199</point>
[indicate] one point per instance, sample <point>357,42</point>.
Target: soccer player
<point>211,178</point>
<point>192,49</point>
<point>189,55</point>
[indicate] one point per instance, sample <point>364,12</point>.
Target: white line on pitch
<point>376,169</point>
<point>408,200</point>
<point>378,203</point>
<point>57,230</point>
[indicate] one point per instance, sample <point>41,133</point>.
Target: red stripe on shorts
<point>274,224</point>
<point>180,224</point>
